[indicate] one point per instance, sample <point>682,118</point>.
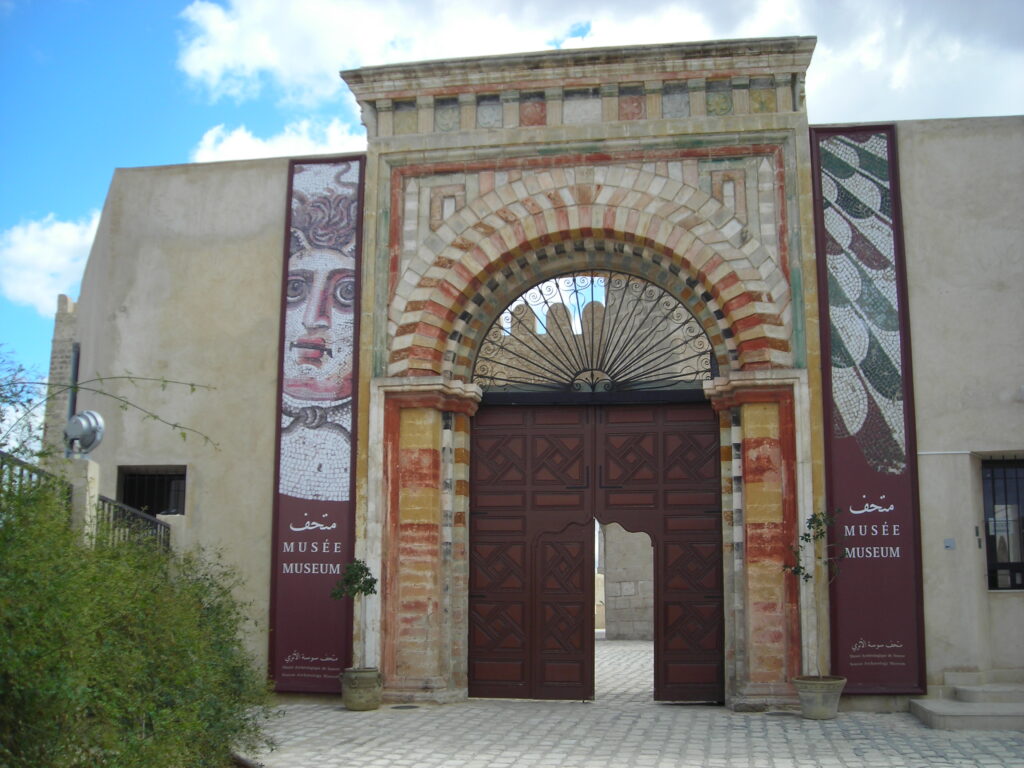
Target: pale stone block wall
<point>62,359</point>
<point>628,584</point>
<point>599,602</point>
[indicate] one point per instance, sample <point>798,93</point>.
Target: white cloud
<point>657,25</point>
<point>900,73</point>
<point>42,258</point>
<point>299,46</point>
<point>772,17</point>
<point>304,137</point>
<point>235,49</point>
<point>876,59</point>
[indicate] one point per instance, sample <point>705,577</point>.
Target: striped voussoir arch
<point>672,234</point>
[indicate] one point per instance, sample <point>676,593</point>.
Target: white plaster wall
<point>962,187</point>
<point>184,282</point>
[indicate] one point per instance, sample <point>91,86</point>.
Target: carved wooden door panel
<point>689,624</point>
<point>531,590</point>
<point>659,472</point>
<point>499,580</point>
<point>565,613</point>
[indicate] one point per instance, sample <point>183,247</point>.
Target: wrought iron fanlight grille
<point>594,331</point>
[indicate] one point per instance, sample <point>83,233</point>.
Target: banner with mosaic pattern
<point>877,615</point>
<point>310,633</point>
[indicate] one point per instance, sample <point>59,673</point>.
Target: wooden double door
<point>539,477</point>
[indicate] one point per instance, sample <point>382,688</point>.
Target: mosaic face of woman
<point>319,321</point>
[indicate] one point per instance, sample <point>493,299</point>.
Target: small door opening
<point>624,614</point>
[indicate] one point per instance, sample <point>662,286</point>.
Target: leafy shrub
<point>356,581</point>
<point>121,655</point>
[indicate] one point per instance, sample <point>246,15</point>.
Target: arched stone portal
<point>474,212</point>
<point>431,443</point>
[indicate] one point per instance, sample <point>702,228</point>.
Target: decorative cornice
<point>590,65</point>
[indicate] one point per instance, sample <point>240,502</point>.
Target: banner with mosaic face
<point>311,634</point>
<point>877,619</point>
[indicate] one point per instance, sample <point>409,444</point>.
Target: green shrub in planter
<point>361,687</point>
<point>819,694</point>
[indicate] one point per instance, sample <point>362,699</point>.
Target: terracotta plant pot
<point>361,688</point>
<point>819,695</point>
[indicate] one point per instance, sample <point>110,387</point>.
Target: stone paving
<point>622,727</point>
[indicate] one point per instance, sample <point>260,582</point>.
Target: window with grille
<point>153,490</point>
<point>1002,481</point>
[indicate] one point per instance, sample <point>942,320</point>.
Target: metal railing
<point>116,522</point>
<point>17,475</point>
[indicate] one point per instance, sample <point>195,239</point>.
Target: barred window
<point>153,490</point>
<point>1002,481</point>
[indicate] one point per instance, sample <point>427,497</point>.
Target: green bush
<point>124,655</point>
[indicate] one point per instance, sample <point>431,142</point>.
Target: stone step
<point>952,715</point>
<point>995,692</point>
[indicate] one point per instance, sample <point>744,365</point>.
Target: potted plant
<point>360,686</point>
<point>819,694</point>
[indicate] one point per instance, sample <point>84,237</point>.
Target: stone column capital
<point>430,392</point>
<point>761,386</point>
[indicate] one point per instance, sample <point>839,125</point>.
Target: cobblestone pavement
<point>622,727</point>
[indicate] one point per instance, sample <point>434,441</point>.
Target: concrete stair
<point>992,707</point>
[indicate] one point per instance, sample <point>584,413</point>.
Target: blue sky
<point>92,85</point>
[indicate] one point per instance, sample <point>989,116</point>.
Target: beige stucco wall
<point>962,195</point>
<point>183,283</point>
